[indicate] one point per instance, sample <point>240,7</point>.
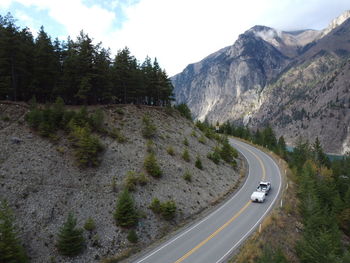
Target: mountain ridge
<point>230,84</point>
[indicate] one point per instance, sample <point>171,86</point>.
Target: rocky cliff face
<point>226,84</point>
<point>312,97</point>
<point>266,71</point>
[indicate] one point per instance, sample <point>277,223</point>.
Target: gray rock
<point>15,140</point>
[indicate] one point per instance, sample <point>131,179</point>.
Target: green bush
<point>5,118</point>
<point>96,120</point>
<point>87,147</point>
<point>11,249</point>
<point>152,166</point>
<point>149,129</point>
<point>90,224</point>
<point>119,111</point>
<point>168,210</point>
<point>170,150</point>
<point>202,139</point>
<point>155,206</point>
<point>142,179</point>
<point>186,142</point>
<point>210,134</point>
<point>215,155</point>
<point>132,236</point>
<point>116,134</point>
<point>70,239</point>
<point>66,118</point>
<point>198,163</point>
<point>184,110</point>
<point>227,152</point>
<point>150,146</point>
<point>58,113</point>
<point>81,118</point>
<point>125,213</point>
<point>130,181</point>
<point>34,118</point>
<point>187,176</point>
<point>193,134</point>
<point>186,155</point>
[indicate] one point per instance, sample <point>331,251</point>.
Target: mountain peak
<point>336,22</point>
<point>267,34</point>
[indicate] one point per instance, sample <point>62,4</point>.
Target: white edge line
<point>268,210</point>
<point>200,222</point>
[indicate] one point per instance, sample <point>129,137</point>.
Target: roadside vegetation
<point>313,224</point>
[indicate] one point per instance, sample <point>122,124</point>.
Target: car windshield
<point>263,186</point>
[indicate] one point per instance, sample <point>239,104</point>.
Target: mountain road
<point>214,238</point>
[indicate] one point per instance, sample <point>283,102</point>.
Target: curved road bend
<point>215,237</point>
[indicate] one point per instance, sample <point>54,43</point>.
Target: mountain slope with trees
<point>76,203</point>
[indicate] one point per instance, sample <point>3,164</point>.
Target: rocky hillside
<point>43,183</point>
<point>226,84</point>
<point>312,98</point>
<point>247,81</point>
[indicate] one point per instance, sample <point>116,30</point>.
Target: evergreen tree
<point>78,71</point>
<point>281,147</point>
<point>11,250</point>
<point>70,239</point>
<point>46,67</point>
<point>319,156</point>
<point>227,152</point>
<point>125,213</point>
<point>123,70</point>
<point>16,49</point>
<point>269,138</point>
<point>184,110</point>
<point>300,154</point>
<point>258,139</point>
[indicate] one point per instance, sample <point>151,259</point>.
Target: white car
<point>258,196</point>
<point>264,187</point>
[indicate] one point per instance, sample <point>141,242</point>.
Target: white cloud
<point>75,16</point>
<point>179,32</point>
<point>5,3</point>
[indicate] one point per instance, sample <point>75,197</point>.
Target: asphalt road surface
<point>214,238</point>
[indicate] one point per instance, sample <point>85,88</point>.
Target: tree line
<point>265,137</point>
<point>323,193</point>
<point>78,71</point>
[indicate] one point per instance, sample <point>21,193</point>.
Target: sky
<point>176,32</point>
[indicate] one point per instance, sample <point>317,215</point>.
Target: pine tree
<point>184,110</point>
<point>125,213</point>
<point>319,156</point>
<point>269,138</point>
<point>11,250</point>
<point>46,67</point>
<point>281,147</point>
<point>70,239</point>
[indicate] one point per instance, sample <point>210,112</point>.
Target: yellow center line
<point>189,253</point>
<point>216,232</point>
<point>261,164</point>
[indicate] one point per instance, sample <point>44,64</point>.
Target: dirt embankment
<point>43,183</point>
